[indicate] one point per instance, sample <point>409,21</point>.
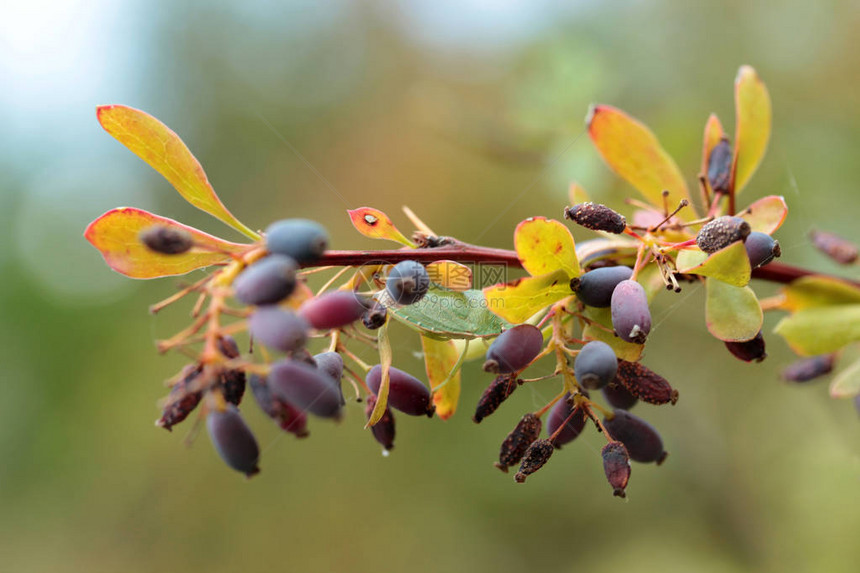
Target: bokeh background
<point>471,112</point>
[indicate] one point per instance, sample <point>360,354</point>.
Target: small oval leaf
<point>544,246</point>
<point>375,224</point>
<point>445,314</point>
<point>732,314</point>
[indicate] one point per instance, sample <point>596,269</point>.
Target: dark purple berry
<point>808,369</point>
<point>595,365</point>
<point>333,309</point>
<point>231,382</point>
<point>642,441</point>
<point>374,317</point>
<point>302,239</point>
<point>405,392</point>
<point>183,398</point>
<point>233,440</point>
<point>278,328</point>
<point>268,281</point>
<point>840,250</point>
<point>332,364</point>
<point>616,466</point>
<point>761,249</point>
<point>537,454</point>
<point>514,349</point>
<point>645,384</point>
<point>407,283</point>
<point>383,430</point>
<point>631,318</point>
<point>749,350</point>
<point>517,442</point>
<point>306,387</point>
<point>722,232</point>
<point>618,396</point>
<point>288,417</point>
<point>166,240</point>
<point>595,287</point>
<point>496,393</point>
<point>720,167</point>
<point>563,412</point>
<point>596,217</point>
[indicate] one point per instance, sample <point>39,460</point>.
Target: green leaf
<point>624,350</point>
<point>519,300</point>
<point>752,125</point>
<point>444,314</point>
<point>732,313</point>
<point>816,291</point>
<point>730,264</point>
<point>821,330</point>
<point>846,382</point>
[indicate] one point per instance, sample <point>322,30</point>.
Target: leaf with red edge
<point>375,224</point>
<point>517,301</point>
<point>753,116</point>
<point>713,134</point>
<point>766,215</point>
<point>440,358</point>
<point>632,151</point>
<point>732,314</point>
<point>116,235</point>
<point>545,245</point>
<point>165,152</point>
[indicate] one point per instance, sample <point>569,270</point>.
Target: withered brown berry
<point>517,442</point>
<point>722,232</point>
<point>537,454</point>
<point>497,392</point>
<point>596,217</point>
<point>616,466</point>
<point>645,384</point>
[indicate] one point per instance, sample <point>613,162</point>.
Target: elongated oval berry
<point>720,167</point>
<point>537,454</point>
<point>288,417</point>
<point>631,318</point>
<point>595,365</point>
<point>407,283</point>
<point>278,328</point>
<point>618,397</point>
<point>302,239</point>
<point>596,217</point>
<point>749,350</point>
<point>306,387</point>
<point>761,249</point>
<point>233,440</point>
<point>595,287</point>
<point>383,431</point>
<point>517,442</point>
<point>497,392</point>
<point>166,240</point>
<point>333,309</point>
<point>645,384</point>
<point>840,250</point>
<point>722,232</point>
<point>642,441</point>
<point>332,364</point>
<point>268,281</point>
<point>405,392</point>
<point>563,412</point>
<point>808,369</point>
<point>616,466</point>
<point>514,349</point>
<point>374,317</point>
<point>183,398</point>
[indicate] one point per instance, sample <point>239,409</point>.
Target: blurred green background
<point>471,113</point>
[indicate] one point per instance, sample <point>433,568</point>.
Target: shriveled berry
<point>595,287</point>
<point>595,365</point>
<point>722,232</point>
<point>537,454</point>
<point>383,431</point>
<point>497,392</point>
<point>749,350</point>
<point>405,392</point>
<point>278,328</point>
<point>761,249</point>
<point>514,349</point>
<point>267,281</point>
<point>333,309</point>
<point>571,421</point>
<point>306,387</point>
<point>228,347</point>
<point>374,317</point>
<point>232,385</point>
<point>616,466</point>
<point>596,217</point>
<point>618,396</point>
<point>517,442</point>
<point>302,239</point>
<point>166,240</point>
<point>332,364</point>
<point>840,250</point>
<point>642,441</point>
<point>808,369</point>
<point>645,384</point>
<point>233,440</point>
<point>631,318</point>
<point>407,283</point>
<point>183,398</point>
<point>288,417</point>
<point>720,167</point>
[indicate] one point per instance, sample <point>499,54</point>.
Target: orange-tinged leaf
<point>732,314</point>
<point>753,116</point>
<point>545,245</point>
<point>115,235</point>
<point>730,264</point>
<point>632,151</point>
<point>713,134</point>
<point>165,152</point>
<point>375,224</point>
<point>818,291</point>
<point>519,300</point>
<point>576,194</point>
<point>450,274</point>
<point>440,358</point>
<point>766,215</point>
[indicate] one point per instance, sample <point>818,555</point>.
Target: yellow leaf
<point>545,245</point>
<point>713,134</point>
<point>632,151</point>
<point>817,291</point>
<point>375,224</point>
<point>385,358</point>
<point>765,215</point>
<point>730,264</point>
<point>519,300</point>
<point>440,358</point>
<point>732,314</point>
<point>165,152</point>
<point>752,125</point>
<point>451,275</point>
<point>116,235</point>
